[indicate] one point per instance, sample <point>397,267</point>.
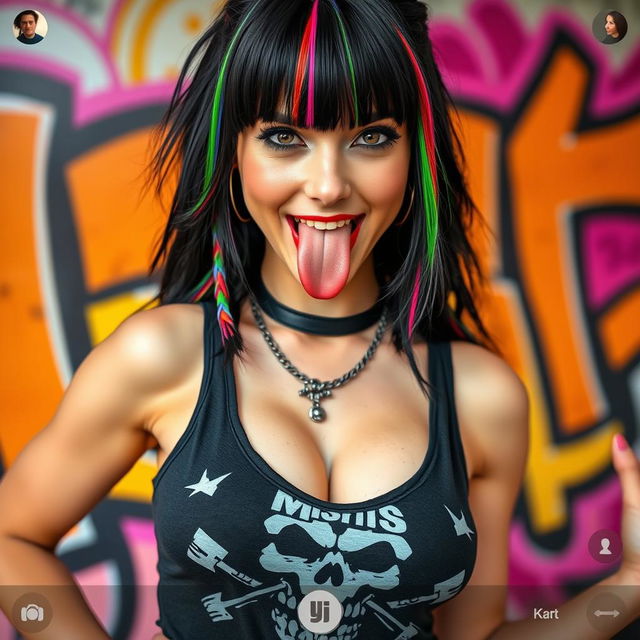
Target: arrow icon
<point>615,613</point>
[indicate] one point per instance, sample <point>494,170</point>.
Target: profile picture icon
<point>30,27</point>
<point>609,27</point>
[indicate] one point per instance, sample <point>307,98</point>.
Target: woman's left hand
<point>627,465</point>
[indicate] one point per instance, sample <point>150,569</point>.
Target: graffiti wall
<point>550,122</point>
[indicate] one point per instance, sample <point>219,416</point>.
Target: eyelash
<point>267,133</point>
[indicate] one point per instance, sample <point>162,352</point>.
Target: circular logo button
<point>319,611</point>
<point>605,546</point>
<point>31,613</point>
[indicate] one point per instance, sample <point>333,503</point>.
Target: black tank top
<point>239,546</point>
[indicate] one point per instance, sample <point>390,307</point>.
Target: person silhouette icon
<point>605,546</point>
<point>604,550</point>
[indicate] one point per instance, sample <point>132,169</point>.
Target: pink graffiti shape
<point>504,32</point>
<point>97,586</point>
<point>611,255</point>
<point>141,541</point>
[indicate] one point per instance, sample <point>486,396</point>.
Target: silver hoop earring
<point>233,201</point>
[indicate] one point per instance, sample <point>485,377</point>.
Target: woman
<point>288,477</point>
<point>615,27</point>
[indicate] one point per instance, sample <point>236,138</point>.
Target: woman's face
<point>351,180</point>
<point>610,27</point>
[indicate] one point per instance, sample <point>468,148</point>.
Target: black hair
<point>620,22</point>
<point>16,20</point>
<point>261,71</point>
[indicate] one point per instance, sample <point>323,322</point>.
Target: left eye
<point>372,138</point>
<point>284,138</point>
<point>378,138</point>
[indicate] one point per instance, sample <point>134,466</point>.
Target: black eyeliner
<point>266,133</point>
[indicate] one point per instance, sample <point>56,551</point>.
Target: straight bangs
<point>356,72</point>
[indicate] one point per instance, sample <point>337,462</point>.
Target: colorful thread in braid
<point>347,51</point>
<point>202,287</point>
<point>427,169</point>
<point>220,291</point>
<point>306,61</point>
<point>217,278</point>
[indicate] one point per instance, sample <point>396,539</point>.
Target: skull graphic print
<point>356,555</point>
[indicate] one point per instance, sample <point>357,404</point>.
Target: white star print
<point>204,485</point>
<point>460,524</point>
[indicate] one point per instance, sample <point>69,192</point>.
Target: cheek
<point>385,183</point>
<point>265,183</point>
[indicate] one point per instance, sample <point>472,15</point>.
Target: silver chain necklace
<point>314,389</point>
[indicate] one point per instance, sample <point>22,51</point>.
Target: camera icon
<point>32,613</point>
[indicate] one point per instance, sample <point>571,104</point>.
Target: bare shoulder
<point>161,341</point>
<point>160,346</point>
<point>491,403</point>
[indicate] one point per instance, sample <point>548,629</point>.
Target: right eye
<point>278,138</point>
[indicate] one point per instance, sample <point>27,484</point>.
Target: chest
<point>374,438</point>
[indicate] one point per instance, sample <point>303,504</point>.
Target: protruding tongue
<point>323,259</point>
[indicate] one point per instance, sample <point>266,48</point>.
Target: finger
<point>628,468</point>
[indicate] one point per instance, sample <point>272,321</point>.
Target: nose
<point>326,179</point>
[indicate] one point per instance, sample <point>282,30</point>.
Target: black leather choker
<point>318,325</point>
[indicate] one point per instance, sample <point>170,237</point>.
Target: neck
<point>358,295</point>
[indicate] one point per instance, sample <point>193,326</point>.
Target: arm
<point>96,435</point>
<point>492,404</point>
